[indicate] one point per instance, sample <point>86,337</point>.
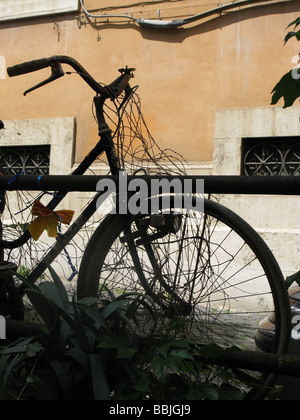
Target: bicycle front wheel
<point>213,278</point>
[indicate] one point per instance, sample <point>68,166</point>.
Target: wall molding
<point>59,133</point>
<point>232,125</point>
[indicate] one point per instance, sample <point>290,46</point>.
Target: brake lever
<point>56,73</point>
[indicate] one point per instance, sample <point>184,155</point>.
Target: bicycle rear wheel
<point>213,278</point>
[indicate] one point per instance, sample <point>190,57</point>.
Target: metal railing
<point>272,185</point>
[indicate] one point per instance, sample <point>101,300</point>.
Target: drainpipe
<point>174,24</point>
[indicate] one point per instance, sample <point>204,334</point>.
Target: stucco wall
<point>225,61</point>
<point>276,218</point>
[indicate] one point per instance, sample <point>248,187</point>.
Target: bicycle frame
<point>175,304</point>
<point>105,144</point>
<point>63,240</point>
<point>111,91</point>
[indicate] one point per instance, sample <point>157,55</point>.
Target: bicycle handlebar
<point>55,61</point>
<point>28,67</point>
<point>112,91</point>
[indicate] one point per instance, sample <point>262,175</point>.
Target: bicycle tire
<point>17,243</point>
<point>220,284</point>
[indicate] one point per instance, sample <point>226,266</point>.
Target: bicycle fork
<point>168,299</point>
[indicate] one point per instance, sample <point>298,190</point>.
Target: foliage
<point>295,278</point>
<point>292,34</point>
<point>90,350</point>
<point>288,87</point>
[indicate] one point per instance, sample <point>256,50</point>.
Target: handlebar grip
<point>28,67</point>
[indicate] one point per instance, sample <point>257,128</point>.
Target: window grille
<point>32,160</point>
<point>271,156</point>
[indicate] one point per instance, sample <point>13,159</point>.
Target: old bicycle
<point>209,274</point>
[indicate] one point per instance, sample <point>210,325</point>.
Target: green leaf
<point>295,278</point>
<point>16,361</point>
<point>210,391</point>
<point>77,327</point>
<point>294,23</point>
<point>17,347</point>
<point>94,314</point>
<point>33,349</point>
<point>81,358</point>
<point>195,393</point>
<point>288,88</point>
<point>33,379</point>
<point>50,290</point>
<point>28,283</point>
<point>4,360</point>
<point>164,350</point>
<point>62,295</point>
<point>88,301</point>
<point>2,392</point>
<point>181,354</point>
<point>116,305</point>
<point>100,386</point>
<point>44,307</point>
<point>158,364</point>
<point>291,35</point>
<point>116,343</point>
<point>64,379</point>
<point>230,393</point>
<point>51,317</point>
<point>143,385</point>
<point>126,352</point>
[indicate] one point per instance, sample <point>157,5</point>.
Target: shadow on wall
<point>209,25</point>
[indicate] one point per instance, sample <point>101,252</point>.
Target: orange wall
<point>184,75</point>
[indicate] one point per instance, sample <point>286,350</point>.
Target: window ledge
<point>18,9</point>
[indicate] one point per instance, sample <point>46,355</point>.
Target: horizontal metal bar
<point>274,185</point>
<point>16,329</point>
<point>286,365</point>
<point>250,360</point>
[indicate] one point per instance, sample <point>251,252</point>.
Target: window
<point>271,156</point>
<point>17,9</point>
<point>32,160</point>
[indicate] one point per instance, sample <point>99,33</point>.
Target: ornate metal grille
<point>271,156</point>
<point>32,160</point>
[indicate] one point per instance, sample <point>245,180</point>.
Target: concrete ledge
<point>18,9</point>
<point>232,125</point>
<point>59,133</point>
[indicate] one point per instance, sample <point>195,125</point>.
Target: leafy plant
<point>176,370</point>
<point>94,350</point>
<point>292,34</point>
<point>72,352</point>
<point>295,278</point>
<point>288,87</point>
